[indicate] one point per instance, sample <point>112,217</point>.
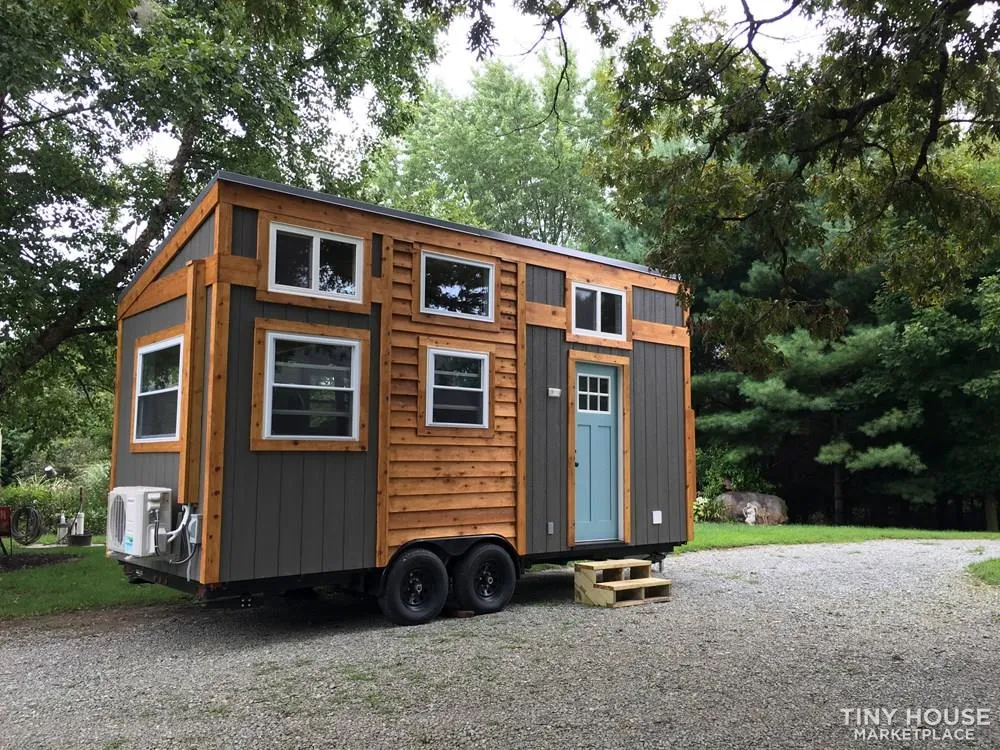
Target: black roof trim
<point>427,221</point>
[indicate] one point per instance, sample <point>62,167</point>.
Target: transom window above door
<point>458,287</point>
<point>598,311</point>
<point>315,263</point>
<point>593,394</point>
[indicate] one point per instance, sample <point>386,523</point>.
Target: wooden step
<point>620,592</point>
<point>634,583</point>
<point>608,564</point>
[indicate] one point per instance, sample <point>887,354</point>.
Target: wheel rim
<point>416,589</point>
<point>488,580</point>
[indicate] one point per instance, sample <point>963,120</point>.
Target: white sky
<point>516,34</point>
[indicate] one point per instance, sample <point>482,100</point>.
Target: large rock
<point>768,509</point>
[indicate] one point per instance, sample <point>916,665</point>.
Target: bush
<point>719,471</point>
<point>709,509</point>
<point>55,496</point>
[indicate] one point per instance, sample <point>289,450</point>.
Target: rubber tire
<point>391,601</point>
<point>466,571</point>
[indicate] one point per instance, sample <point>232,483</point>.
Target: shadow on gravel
<point>546,587</point>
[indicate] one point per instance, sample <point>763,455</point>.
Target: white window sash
<point>490,289</point>
<point>313,289</point>
<point>484,358</point>
<point>599,290</point>
<point>177,341</point>
<point>270,384</point>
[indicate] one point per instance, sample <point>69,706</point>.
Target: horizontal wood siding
<point>200,245</point>
<point>152,469</point>
<point>546,285</point>
<point>292,512</point>
<point>449,483</point>
<point>656,307</point>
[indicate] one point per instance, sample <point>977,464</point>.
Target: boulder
<point>766,509</point>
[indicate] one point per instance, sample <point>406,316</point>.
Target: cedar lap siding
<point>297,507</point>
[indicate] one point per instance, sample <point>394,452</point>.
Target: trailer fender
<point>451,548</point>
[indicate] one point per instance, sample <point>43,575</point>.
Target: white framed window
<point>457,388</point>
<point>314,263</point>
<point>457,287</point>
<point>598,311</point>
<point>593,394</point>
<point>158,391</point>
<point>312,389</point>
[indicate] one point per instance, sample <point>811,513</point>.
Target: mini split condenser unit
<point>134,513</point>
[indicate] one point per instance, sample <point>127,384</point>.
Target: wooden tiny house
<point>326,391</point>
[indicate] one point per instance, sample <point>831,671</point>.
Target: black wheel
<point>484,579</point>
<point>416,588</point>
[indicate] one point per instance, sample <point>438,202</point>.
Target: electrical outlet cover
<point>657,517</point>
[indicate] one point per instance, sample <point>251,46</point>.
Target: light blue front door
<point>596,452</point>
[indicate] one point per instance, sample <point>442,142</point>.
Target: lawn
<point>987,570</point>
<point>85,580</point>
<point>723,535</point>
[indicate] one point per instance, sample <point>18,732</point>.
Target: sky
<point>516,35</point>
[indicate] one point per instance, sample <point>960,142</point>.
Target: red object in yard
<point>4,520</point>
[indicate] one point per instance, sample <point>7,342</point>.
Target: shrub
<point>719,471</point>
<point>709,509</point>
<point>56,496</point>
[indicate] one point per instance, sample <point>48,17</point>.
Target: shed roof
<point>315,195</point>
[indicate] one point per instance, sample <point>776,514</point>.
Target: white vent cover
<point>132,513</point>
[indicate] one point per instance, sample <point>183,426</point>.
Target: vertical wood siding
<point>293,513</point>
<point>244,232</point>
<point>656,307</point>
<point>449,485</point>
<point>152,469</point>
<point>201,245</point>
<point>657,391</point>
<point>546,285</point>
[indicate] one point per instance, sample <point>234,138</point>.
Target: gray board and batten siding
<point>292,513</point>
<point>657,440</point>
<point>546,285</point>
<point>199,245</point>
<point>656,306</point>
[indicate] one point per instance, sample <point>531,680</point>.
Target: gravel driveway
<point>760,647</point>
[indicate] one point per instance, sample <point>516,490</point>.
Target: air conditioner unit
<point>132,514</point>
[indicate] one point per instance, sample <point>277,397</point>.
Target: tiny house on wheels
<point>317,391</point>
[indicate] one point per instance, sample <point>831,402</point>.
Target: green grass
<point>987,570</point>
<point>724,535</point>
<point>91,581</point>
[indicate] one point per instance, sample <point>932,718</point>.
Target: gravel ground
<point>760,647</point>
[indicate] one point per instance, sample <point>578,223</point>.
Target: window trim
<point>598,333</point>
<point>484,387</point>
<point>269,383</point>
<point>266,330</point>
<point>463,260</point>
<point>144,345</point>
<point>274,226</point>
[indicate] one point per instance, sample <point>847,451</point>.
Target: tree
<point>514,156</point>
<point>849,150</point>
<point>253,86</point>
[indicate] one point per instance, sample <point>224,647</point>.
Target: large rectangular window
<point>457,388</point>
<point>598,311</point>
<point>314,263</point>
<point>157,391</point>
<point>312,389</point>
<point>455,286</point>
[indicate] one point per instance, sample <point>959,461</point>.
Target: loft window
<point>456,286</point>
<point>312,387</point>
<point>457,392</point>
<point>158,389</point>
<point>314,263</point>
<point>598,311</point>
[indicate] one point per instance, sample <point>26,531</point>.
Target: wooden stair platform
<point>618,583</point>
